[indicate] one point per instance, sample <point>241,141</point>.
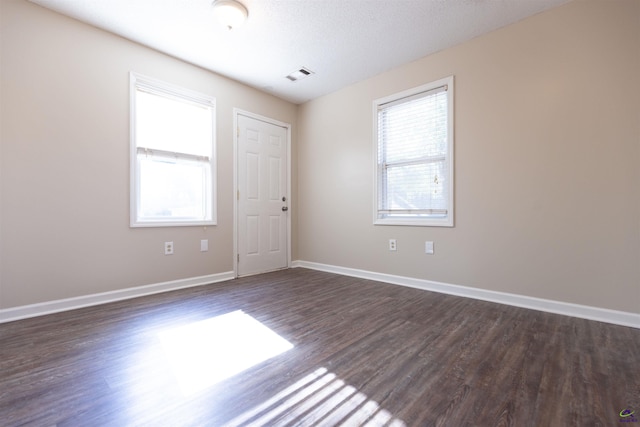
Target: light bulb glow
<point>230,13</point>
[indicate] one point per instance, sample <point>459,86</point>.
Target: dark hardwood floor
<point>365,353</point>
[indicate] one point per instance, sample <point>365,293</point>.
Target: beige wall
<point>547,163</point>
<point>547,157</point>
<point>64,170</point>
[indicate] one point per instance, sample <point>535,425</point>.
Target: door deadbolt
<point>284,199</point>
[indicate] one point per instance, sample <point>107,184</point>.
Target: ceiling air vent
<point>299,74</point>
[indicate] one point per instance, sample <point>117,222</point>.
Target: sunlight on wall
<point>322,398</point>
<point>204,353</point>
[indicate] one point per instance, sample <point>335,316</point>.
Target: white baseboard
<point>568,309</point>
<point>49,307</point>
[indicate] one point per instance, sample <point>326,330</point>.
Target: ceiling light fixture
<point>230,13</point>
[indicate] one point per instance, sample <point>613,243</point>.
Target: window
<point>172,155</point>
<point>414,156</point>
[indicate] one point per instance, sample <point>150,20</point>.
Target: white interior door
<point>262,199</point>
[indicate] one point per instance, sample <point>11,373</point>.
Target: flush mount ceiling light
<point>230,13</point>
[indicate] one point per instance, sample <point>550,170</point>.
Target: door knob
<point>285,208</point>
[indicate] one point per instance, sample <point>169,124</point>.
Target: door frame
<point>239,112</point>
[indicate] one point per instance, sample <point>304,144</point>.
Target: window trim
<point>406,95</point>
<point>158,87</point>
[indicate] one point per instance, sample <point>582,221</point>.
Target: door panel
<point>262,185</point>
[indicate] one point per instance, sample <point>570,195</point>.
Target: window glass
<point>414,156</point>
<point>172,155</point>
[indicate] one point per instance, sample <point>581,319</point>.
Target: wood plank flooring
<point>365,353</point>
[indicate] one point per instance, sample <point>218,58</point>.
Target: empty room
<point>319,213</point>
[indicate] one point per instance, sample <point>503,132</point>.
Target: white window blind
<point>414,157</point>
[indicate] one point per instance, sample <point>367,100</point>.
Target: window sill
<point>431,222</point>
<point>147,224</point>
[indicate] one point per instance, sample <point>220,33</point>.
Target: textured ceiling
<point>341,41</point>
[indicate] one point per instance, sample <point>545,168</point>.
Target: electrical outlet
<point>393,245</point>
<point>168,248</point>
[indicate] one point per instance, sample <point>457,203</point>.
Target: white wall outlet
<point>393,245</point>
<point>168,248</point>
<point>428,248</point>
<point>204,245</point>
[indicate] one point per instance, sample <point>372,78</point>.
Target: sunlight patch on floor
<point>319,398</point>
<point>204,353</point>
